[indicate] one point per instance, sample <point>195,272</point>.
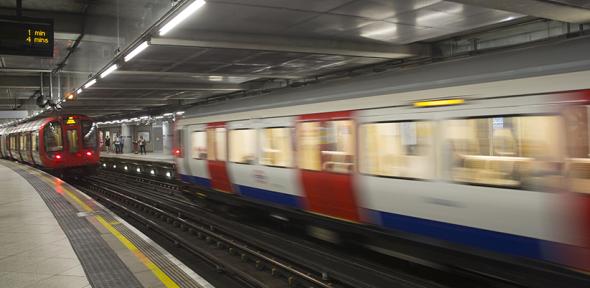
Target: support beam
<point>536,8</point>
<point>165,87</point>
<point>293,44</point>
<point>21,82</point>
<point>14,114</point>
<point>190,74</point>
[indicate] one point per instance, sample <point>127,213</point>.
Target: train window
<point>308,145</point>
<point>327,146</point>
<point>277,149</point>
<point>338,146</point>
<point>29,141</point>
<point>242,146</point>
<point>72,136</point>
<point>52,137</point>
<point>89,132</point>
<point>35,141</point>
<point>216,144</point>
<point>12,142</point>
<point>397,149</point>
<point>518,152</point>
<point>23,141</point>
<point>578,148</point>
<point>199,149</point>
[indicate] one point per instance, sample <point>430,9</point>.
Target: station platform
<point>52,235</point>
<point>150,157</point>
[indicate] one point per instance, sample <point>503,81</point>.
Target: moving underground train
<point>500,168</point>
<point>63,144</point>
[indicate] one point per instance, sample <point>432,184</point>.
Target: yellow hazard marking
<point>144,259</point>
<point>161,275</point>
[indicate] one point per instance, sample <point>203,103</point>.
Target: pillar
<point>167,136</point>
<point>127,141</point>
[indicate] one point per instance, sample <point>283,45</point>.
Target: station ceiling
<point>229,46</point>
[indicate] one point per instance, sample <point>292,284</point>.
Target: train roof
<point>36,124</point>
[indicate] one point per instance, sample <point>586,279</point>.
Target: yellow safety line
<point>161,275</point>
<point>144,259</point>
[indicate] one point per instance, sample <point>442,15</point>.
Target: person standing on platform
<point>117,145</point>
<point>121,144</point>
<point>107,144</point>
<point>141,143</point>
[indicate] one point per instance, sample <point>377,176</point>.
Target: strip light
<point>90,83</point>
<point>136,51</point>
<point>441,102</point>
<point>190,9</point>
<point>79,91</point>
<point>109,71</point>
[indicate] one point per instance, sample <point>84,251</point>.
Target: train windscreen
<point>52,137</point>
<point>89,132</point>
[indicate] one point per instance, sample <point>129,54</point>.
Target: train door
<point>72,139</point>
<point>578,179</point>
<point>326,148</point>
<point>217,156</point>
<point>197,156</point>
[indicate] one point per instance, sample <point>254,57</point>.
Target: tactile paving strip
<point>172,270</point>
<point>103,268</point>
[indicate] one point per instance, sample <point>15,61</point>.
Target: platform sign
<point>26,36</point>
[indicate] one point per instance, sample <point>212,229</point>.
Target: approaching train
<point>501,169</point>
<point>65,143</point>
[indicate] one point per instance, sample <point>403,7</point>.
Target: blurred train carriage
<point>62,144</point>
<point>494,172</point>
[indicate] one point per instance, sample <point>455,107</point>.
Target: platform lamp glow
<point>190,9</point>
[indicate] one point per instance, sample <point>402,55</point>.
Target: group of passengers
<point>119,143</point>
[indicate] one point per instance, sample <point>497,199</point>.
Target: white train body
<point>421,196</point>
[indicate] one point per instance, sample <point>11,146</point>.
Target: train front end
<point>70,144</point>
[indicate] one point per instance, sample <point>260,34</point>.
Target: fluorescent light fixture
<point>79,91</point>
<point>144,117</point>
<point>190,9</point>
<point>179,112</point>
<point>90,83</point>
<point>159,117</point>
<point>109,71</point>
<point>215,78</point>
<point>508,18</point>
<point>136,51</point>
<point>167,114</point>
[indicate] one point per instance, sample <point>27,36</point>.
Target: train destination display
<point>26,36</point>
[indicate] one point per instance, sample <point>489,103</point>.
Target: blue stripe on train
<point>251,192</point>
<point>270,196</point>
<point>195,180</point>
<point>474,237</point>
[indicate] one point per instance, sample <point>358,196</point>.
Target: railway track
<point>253,256</point>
